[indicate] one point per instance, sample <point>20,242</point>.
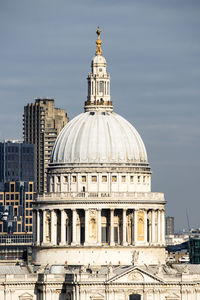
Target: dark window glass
<point>12,187</point>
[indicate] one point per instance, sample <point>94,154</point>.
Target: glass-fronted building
<point>194,250</point>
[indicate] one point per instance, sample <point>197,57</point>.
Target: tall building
<point>42,124</point>
<point>16,161</point>
<point>16,211</point>
<point>100,230</point>
<point>169,225</point>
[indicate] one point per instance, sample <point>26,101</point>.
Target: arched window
<point>134,297</point>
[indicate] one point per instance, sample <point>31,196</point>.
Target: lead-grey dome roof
<point>99,137</point>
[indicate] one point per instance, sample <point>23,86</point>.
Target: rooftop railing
<point>94,195</point>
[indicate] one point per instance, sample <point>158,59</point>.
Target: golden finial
<point>98,42</point>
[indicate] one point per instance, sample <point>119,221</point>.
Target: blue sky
<point>153,55</point>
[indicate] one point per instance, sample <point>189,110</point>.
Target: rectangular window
<point>101,87</point>
<point>116,235</point>
<point>66,178</point>
<point>139,177</point>
<point>123,178</point>
<point>83,178</point>
<point>114,178</point>
<point>16,196</point>
<point>131,178</point>
<point>19,228</point>
<point>58,179</point>
<point>12,187</point>
<point>104,234</point>
<point>104,178</point>
<point>94,178</point>
<point>12,196</point>
<point>73,178</point>
<point>31,187</point>
<point>144,179</point>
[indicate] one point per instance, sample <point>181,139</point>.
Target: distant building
<point>42,124</point>
<point>16,211</point>
<point>16,161</point>
<point>194,247</point>
<point>169,225</point>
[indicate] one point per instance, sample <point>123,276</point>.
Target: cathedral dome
<point>99,137</point>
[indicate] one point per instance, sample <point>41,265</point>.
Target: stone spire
<point>98,82</point>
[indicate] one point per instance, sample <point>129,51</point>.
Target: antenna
<point>188,222</point>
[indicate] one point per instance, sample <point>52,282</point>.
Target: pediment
<point>98,296</point>
<point>135,275</point>
<point>172,296</point>
<point>26,296</point>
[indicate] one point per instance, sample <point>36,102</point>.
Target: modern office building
<point>42,124</point>
<point>16,212</point>
<point>169,225</point>
<point>16,161</point>
<point>194,248</point>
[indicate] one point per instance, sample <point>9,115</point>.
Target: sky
<point>152,50</point>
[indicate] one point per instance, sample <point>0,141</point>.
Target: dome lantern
<point>98,82</point>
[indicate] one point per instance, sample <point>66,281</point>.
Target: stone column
<point>53,228</point>
<point>99,227</point>
<point>153,226</point>
<point>159,227</point>
<point>34,226</point>
<point>74,242</point>
<point>44,227</point>
<point>112,243</point>
<point>150,230</point>
<point>86,226</point>
<point>38,227</point>
<point>63,228</point>
<point>124,241</point>
<point>135,226</point>
<point>145,226</point>
<point>163,227</point>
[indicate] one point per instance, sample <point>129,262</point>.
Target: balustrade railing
<point>133,195</point>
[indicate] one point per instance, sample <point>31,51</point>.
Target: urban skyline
<point>152,52</point>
